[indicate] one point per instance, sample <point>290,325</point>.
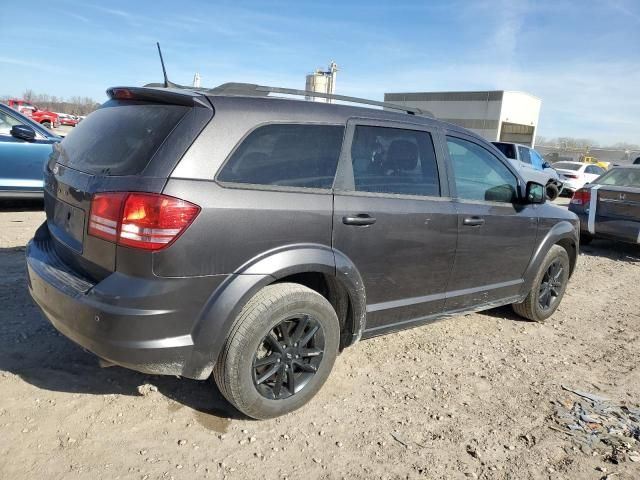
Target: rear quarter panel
<point>237,225</point>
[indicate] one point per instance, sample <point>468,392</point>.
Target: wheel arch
<point>319,267</point>
<point>563,234</point>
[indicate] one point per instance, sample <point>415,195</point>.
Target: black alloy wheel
<point>288,357</point>
<point>551,286</point>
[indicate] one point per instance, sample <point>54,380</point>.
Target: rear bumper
<point>143,324</point>
<point>612,228</point>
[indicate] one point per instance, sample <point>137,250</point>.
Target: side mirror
<point>23,132</point>
<point>535,193</point>
<point>546,165</point>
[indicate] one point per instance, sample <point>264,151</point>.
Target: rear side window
<point>394,160</point>
<point>507,149</point>
<point>120,137</point>
<point>286,155</point>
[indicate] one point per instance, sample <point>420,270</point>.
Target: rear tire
<point>272,328</point>
<point>46,124</point>
<point>552,191</point>
<point>548,287</point>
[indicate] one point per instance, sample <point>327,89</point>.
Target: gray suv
<point>232,234</point>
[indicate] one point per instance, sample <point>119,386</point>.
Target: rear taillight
<point>142,220</point>
<point>570,176</point>
<point>581,197</point>
<point>106,209</point>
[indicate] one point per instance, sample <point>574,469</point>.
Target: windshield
<point>567,166</point>
<point>119,138</point>
<point>621,177</point>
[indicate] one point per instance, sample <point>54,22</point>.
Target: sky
<point>582,58</point>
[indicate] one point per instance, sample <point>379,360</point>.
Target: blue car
<point>24,149</point>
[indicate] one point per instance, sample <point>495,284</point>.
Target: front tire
<point>47,124</point>
<point>280,351</point>
<point>548,287</point>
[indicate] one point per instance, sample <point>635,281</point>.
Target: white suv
<point>532,166</point>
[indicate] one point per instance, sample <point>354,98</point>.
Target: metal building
<point>507,116</point>
<point>323,82</point>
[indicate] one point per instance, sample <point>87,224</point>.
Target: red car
<point>66,119</point>
<point>43,117</point>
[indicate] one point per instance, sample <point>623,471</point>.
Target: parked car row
<point>69,120</point>
<point>609,206</point>
<point>43,117</point>
<point>532,167</point>
<point>25,146</point>
<point>564,177</point>
<point>577,174</point>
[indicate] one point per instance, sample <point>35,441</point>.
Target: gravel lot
<point>469,397</point>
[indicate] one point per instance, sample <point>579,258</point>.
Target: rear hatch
<point>130,144</point>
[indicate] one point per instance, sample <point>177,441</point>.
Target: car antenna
<point>167,83</point>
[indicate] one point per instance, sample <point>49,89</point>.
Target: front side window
<point>479,175</point>
<point>524,155</point>
<point>287,155</point>
<point>394,160</point>
<point>536,159</point>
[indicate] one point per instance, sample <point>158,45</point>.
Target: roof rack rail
<point>251,89</point>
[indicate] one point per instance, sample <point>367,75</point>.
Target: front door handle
<point>361,220</point>
<point>473,221</point>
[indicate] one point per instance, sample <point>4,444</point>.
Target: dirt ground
<point>468,397</point>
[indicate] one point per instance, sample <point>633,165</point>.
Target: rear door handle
<point>361,220</point>
<point>473,221</point>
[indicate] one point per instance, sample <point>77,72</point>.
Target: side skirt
<point>417,322</point>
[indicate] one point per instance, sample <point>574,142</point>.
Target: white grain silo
<point>322,82</point>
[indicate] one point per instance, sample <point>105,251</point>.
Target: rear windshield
<point>621,177</point>
<point>567,166</point>
<point>507,149</point>
<point>120,137</point>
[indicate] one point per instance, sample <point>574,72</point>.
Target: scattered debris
<point>588,396</point>
<point>401,442</point>
<point>471,450</point>
<point>146,389</point>
<point>597,424</point>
